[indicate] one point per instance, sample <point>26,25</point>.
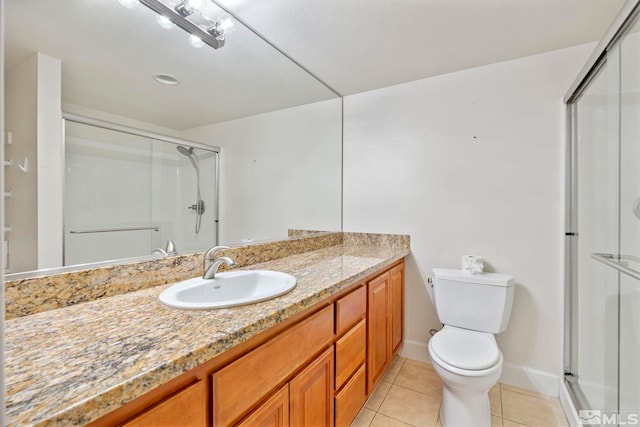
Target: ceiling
<point>109,53</point>
<point>361,45</point>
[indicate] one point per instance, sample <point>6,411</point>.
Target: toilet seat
<point>465,350</point>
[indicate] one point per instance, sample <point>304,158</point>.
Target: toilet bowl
<point>469,364</point>
<point>472,308</point>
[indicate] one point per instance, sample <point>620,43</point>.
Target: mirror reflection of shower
<point>198,207</point>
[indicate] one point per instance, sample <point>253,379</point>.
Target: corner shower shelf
<point>627,264</point>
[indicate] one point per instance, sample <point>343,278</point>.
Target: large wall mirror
<point>123,132</point>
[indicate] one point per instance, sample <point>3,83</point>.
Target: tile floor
<point>410,394</point>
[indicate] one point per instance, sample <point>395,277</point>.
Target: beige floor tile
<point>364,418</point>
<point>439,423</point>
<point>420,377</point>
<point>411,407</point>
<point>393,370</point>
<point>496,400</point>
<point>496,421</point>
<point>384,421</point>
<point>378,395</point>
<point>531,410</point>
<point>529,392</point>
<point>509,423</point>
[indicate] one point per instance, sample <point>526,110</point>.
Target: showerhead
<point>184,150</point>
<point>189,153</point>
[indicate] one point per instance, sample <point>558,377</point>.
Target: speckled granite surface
<point>390,241</point>
<point>72,365</point>
<point>34,295</point>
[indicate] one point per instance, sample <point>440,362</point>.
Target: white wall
<point>33,116</point>
<point>21,210</point>
<point>472,163</point>
<point>279,170</point>
<point>50,161</point>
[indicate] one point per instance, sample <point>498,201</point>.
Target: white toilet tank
<point>480,302</point>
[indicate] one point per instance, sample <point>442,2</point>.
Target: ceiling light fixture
<point>166,79</point>
<point>187,7</point>
<point>186,14</point>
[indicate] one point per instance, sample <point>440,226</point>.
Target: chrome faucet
<point>210,264</point>
<point>170,250</point>
<point>213,269</point>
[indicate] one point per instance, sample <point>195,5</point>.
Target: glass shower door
<point>127,194</point>
<point>629,392</point>
<point>594,350</point>
<point>602,371</point>
<point>109,187</point>
<point>185,200</point>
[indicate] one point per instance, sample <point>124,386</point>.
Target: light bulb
<point>196,41</point>
<point>128,3</point>
<point>164,22</point>
<point>194,4</point>
<point>225,24</point>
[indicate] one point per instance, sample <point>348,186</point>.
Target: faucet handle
<point>171,248</point>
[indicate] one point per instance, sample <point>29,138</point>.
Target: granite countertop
<point>72,365</point>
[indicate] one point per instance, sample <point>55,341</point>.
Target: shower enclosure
<point>128,193</point>
<point>602,304</point>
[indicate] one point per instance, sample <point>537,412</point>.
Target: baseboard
<point>416,350</point>
<point>531,379</point>
<point>567,406</point>
<point>516,375</point>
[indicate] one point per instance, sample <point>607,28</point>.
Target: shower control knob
<point>198,207</point>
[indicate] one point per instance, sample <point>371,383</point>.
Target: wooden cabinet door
<point>396,280</point>
<point>311,393</point>
<point>378,329</point>
<point>187,408</point>
<point>273,413</point>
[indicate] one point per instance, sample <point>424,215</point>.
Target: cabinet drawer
<point>350,309</point>
<point>350,400</point>
<point>187,408</point>
<point>350,352</point>
<point>238,386</point>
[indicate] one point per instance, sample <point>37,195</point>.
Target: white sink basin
<point>228,289</point>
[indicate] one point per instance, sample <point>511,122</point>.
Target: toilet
<point>472,308</point>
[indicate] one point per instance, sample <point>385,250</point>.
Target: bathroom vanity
<point>310,357</point>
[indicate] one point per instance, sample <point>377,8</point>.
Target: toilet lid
<point>466,349</point>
